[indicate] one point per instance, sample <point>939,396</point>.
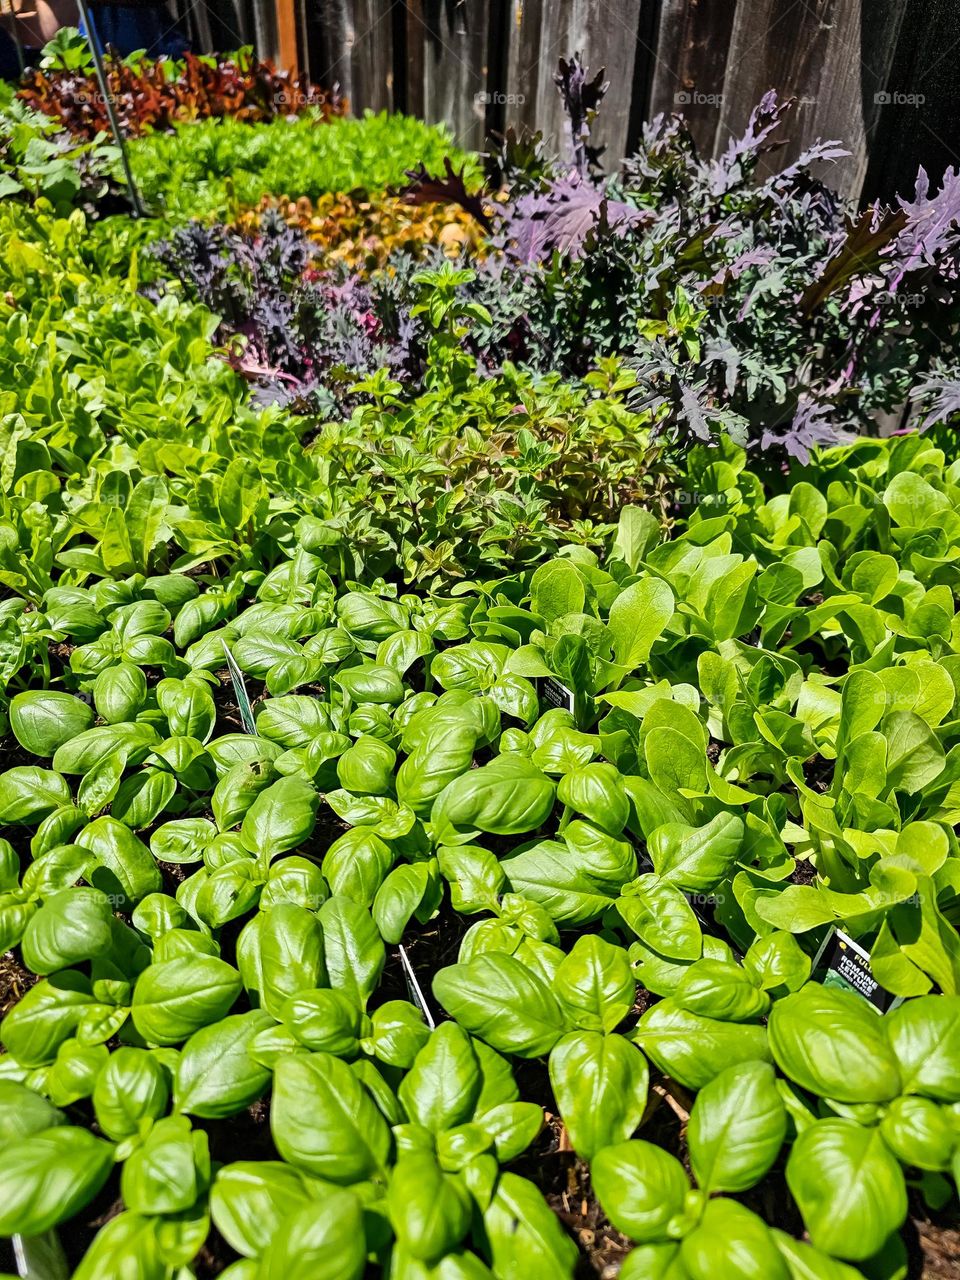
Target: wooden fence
<point>880,75</point>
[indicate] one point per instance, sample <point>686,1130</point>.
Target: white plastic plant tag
<point>413,987</point>
<point>240,691</point>
<point>40,1257</point>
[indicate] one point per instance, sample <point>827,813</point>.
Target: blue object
<point>9,62</point>
<point>129,28</point>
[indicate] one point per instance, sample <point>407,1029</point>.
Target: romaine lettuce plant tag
<point>556,694</point>
<point>414,989</point>
<point>843,963</point>
<point>240,691</point>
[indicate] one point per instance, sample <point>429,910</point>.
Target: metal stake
<point>118,137</point>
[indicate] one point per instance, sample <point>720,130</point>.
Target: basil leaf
<point>132,1086</point>
<point>280,818</point>
<point>169,1171</point>
<point>127,867</point>
<point>693,1049</point>
<point>524,1236</point>
<point>503,1002</point>
<point>354,951</point>
<point>23,1112</point>
<point>45,1016</point>
<point>48,1177</point>
<point>281,952</point>
<point>71,926</point>
<point>250,1199</point>
<point>324,1121</point>
<point>832,1043</point>
<point>737,1127</point>
<point>397,1033</point>
<point>324,1241</point>
<point>919,1133</point>
<point>429,1210</point>
<point>924,1035</point>
<point>29,793</point>
<point>443,1085</point>
<point>216,1076</point>
<point>848,1186</point>
<point>42,720</point>
<point>600,1084</point>
<point>732,1242</point>
<point>323,1020</point>
<point>174,999</point>
<point>641,1187</point>
<point>506,797</point>
<point>595,984</point>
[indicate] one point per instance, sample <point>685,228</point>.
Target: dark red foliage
<point>150,94</point>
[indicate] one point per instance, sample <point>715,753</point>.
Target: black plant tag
<point>843,963</point>
<point>556,694</point>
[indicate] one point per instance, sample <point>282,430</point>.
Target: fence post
<point>287,36</point>
<point>414,40</point>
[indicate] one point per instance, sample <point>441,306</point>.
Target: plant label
<point>414,990</point>
<point>240,691</point>
<point>843,963</point>
<point>556,694</point>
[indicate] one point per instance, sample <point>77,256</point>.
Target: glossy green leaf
<point>848,1186</point>
<point>641,1187</point>
<point>48,1177</point>
<point>737,1127</point>
<point>42,720</point>
<point>216,1076</point>
<point>324,1121</point>
<point>174,999</point>
<point>503,1002</point>
<point>834,1044</point>
<point>600,1084</point>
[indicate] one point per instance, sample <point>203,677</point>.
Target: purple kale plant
<point>741,300</point>
<point>300,335</point>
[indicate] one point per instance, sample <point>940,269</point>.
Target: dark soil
<point>936,1246</point>
<point>804,872</point>
<point>15,980</point>
<point>819,774</point>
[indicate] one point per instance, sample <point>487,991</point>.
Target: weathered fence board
<point>831,55</point>
<point>352,45</point>
<point>691,56</point>
<point>604,34</point>
<point>924,67</point>
<point>483,64</point>
<point>454,38</point>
